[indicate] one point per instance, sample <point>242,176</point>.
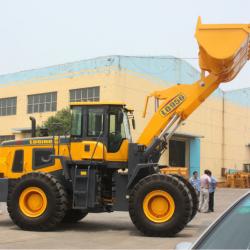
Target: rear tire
<point>36,191</point>
<point>193,194</point>
<point>177,192</point>
<point>74,215</point>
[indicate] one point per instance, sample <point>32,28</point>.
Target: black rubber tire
<point>74,215</point>
<point>182,199</point>
<point>193,194</point>
<point>56,202</point>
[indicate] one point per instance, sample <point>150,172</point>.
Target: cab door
<point>90,137</point>
<point>118,135</point>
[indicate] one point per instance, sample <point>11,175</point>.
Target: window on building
<point>17,166</point>
<point>177,153</point>
<point>8,106</point>
<point>85,94</point>
<point>6,138</point>
<point>42,158</point>
<point>45,102</point>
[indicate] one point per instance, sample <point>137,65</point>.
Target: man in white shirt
<point>205,181</point>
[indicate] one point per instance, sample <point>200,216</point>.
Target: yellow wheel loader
<point>49,180</point>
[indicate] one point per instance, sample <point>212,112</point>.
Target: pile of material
<point>238,180</point>
<point>176,170</point>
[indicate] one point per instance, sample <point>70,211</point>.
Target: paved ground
<point>109,231</point>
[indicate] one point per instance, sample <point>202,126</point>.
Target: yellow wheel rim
<point>158,206</point>
<point>33,202</point>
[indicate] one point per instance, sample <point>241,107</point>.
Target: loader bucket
<point>224,48</point>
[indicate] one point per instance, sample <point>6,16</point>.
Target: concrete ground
<point>109,231</point>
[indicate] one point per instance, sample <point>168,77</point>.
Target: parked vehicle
<point>230,231</point>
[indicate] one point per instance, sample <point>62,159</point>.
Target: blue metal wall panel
<point>239,96</point>
<point>168,68</point>
<point>194,156</point>
<point>61,71</point>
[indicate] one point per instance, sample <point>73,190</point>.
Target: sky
<point>40,33</point>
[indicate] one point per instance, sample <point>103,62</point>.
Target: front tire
<point>160,205</point>
<point>37,202</point>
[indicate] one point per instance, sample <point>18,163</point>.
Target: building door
<point>177,153</point>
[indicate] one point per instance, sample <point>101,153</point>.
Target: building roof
<point>166,68</point>
<point>187,135</point>
<point>23,129</point>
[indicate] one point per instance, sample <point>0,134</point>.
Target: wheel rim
<point>33,202</point>
<point>158,206</point>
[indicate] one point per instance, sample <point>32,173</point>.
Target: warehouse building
<point>216,136</point>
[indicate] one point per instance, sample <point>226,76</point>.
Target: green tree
<point>60,123</point>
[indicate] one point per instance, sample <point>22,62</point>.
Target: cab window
<point>17,166</point>
<point>95,122</point>
<point>116,130</point>
<point>76,125</point>
<point>42,158</point>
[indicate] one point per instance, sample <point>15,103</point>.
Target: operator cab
<point>104,122</point>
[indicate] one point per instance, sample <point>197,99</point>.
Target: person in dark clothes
<point>212,188</point>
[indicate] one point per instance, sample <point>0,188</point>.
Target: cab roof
<point>97,103</point>
<point>102,103</point>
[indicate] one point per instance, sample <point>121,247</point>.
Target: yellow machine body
<point>82,150</point>
<point>96,153</point>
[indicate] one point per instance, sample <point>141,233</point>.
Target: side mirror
<point>133,123</point>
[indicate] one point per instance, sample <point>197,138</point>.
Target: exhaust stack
<point>33,126</point>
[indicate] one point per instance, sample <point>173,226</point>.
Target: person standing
<point>205,181</point>
<point>195,182</point>
<point>212,188</point>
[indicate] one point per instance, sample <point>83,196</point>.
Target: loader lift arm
<point>223,51</point>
